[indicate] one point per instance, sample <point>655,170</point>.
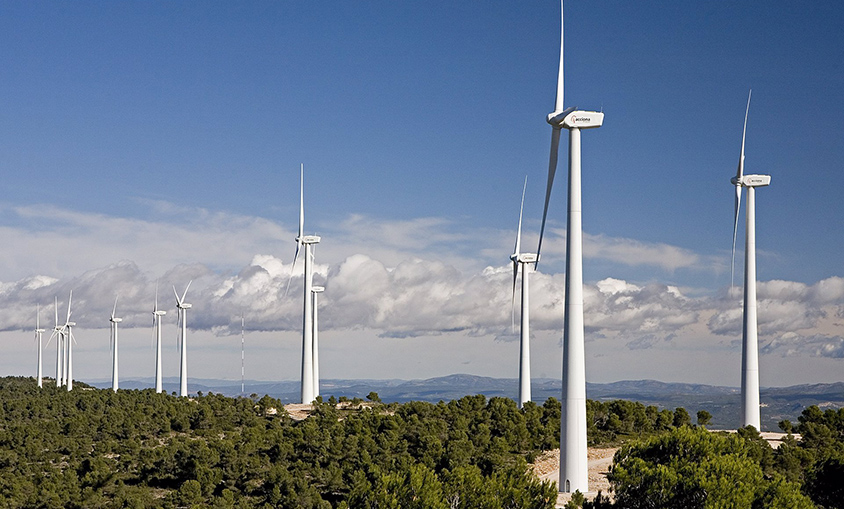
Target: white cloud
<point>403,281</point>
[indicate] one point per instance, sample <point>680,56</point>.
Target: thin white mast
<point>38,337</point>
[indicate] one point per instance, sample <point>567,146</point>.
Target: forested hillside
<point>97,448</point>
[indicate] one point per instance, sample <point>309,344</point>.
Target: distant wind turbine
<point>156,324</point>
<point>316,291</point>
<point>114,346</point>
<point>183,307</point>
<point>573,460</point>
<point>308,393</point>
<point>750,414</point>
<point>38,337</point>
<point>523,260</point>
<point>69,340</point>
<point>58,333</point>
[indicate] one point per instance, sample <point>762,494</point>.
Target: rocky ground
<point>547,468</point>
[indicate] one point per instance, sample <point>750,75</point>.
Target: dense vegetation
<point>96,448</point>
<point>691,468</point>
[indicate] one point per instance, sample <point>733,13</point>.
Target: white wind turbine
<point>58,333</point>
<point>69,340</point>
<point>114,346</point>
<point>156,323</point>
<point>183,307</point>
<point>308,393</point>
<point>750,415</point>
<point>316,290</point>
<point>38,335</point>
<point>523,260</point>
<point>573,460</point>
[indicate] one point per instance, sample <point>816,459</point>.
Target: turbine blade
<point>186,290</point>
<point>552,170</point>
<point>302,200</point>
<point>559,105</point>
<point>178,302</point>
<point>114,309</point>
<point>516,250</point>
<point>37,316</point>
<point>69,299</point>
<point>740,171</point>
<point>292,268</point>
<point>513,300</point>
<point>735,232</point>
<point>57,311</point>
<point>156,298</point>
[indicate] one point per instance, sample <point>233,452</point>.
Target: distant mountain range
<point>778,403</point>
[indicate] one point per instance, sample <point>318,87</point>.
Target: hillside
<point>722,402</point>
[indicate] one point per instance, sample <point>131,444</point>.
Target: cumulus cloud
<point>387,277</point>
<point>630,252</point>
<point>783,306</point>
<point>815,345</point>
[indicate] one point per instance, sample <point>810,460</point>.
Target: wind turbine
<point>524,260</point>
<point>69,340</point>
<point>316,290</point>
<point>114,345</point>
<point>308,393</point>
<point>58,333</point>
<point>183,307</point>
<point>573,460</point>
<point>750,415</point>
<point>156,323</point>
<point>38,335</point>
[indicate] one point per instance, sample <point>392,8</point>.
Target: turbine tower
<point>750,415</point>
<point>316,290</point>
<point>69,340</point>
<point>573,460</point>
<point>156,323</point>
<point>183,307</point>
<point>308,394</point>
<point>523,260</point>
<point>38,335</point>
<point>58,333</point>
<point>242,358</point>
<point>114,345</point>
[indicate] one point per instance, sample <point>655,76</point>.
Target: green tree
<point>703,417</point>
<point>693,468</point>
<point>681,417</point>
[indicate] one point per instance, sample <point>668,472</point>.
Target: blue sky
<point>167,137</point>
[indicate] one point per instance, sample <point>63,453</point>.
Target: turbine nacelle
<point>317,289</point>
<point>525,258</point>
<point>572,117</point>
<point>159,313</point>
<point>308,239</point>
<point>70,324</point>
<point>752,181</point>
<point>184,305</point>
<point>582,119</point>
<point>115,320</point>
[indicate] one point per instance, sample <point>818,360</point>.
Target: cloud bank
<point>403,288</point>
